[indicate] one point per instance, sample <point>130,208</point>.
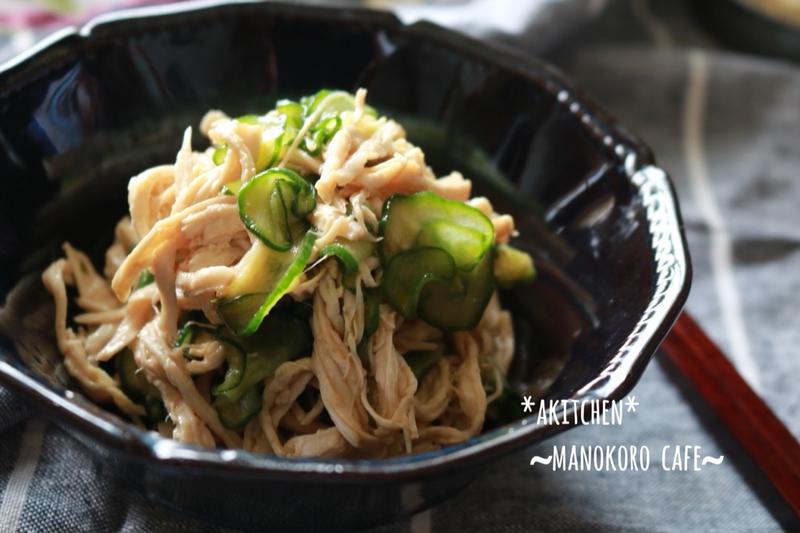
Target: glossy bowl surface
<point>92,106</point>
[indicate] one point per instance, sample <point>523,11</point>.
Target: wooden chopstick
<point>763,436</point>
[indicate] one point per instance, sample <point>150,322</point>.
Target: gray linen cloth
<point>728,130</point>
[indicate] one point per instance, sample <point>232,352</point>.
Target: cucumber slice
<point>458,304</point>
<point>275,126</point>
<point>311,102</point>
<point>269,150</point>
<point>237,365</point>
<point>463,243</point>
<point>292,111</point>
<point>237,312</point>
<point>349,253</point>
<point>133,382</point>
<point>137,388</point>
<point>371,312</point>
<point>334,102</point>
<point>232,188</point>
<point>194,331</point>
<point>250,119</point>
<point>407,274</point>
<point>234,353</point>
<point>281,337</point>
<point>294,115</point>
<point>185,335</point>
<point>273,206</point>
<point>512,266</point>
<point>319,135</point>
<point>267,276</point>
<point>219,154</point>
<point>451,301</point>
<point>339,102</point>
<point>404,218</point>
<point>236,414</point>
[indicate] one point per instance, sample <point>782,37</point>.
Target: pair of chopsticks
<point>763,436</point>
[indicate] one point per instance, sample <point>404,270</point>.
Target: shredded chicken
<point>184,244</point>
<point>93,379</point>
<point>341,376</point>
<point>394,380</point>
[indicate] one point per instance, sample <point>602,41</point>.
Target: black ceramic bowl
<point>90,107</point>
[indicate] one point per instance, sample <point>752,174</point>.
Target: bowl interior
<point>79,119</point>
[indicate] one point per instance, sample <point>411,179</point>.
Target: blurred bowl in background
<point>768,27</point>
